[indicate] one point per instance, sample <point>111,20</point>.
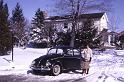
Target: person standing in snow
<point>86,59</point>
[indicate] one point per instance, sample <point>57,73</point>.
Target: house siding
<point>103,22</point>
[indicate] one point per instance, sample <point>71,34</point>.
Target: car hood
<point>44,58</point>
<point>48,57</point>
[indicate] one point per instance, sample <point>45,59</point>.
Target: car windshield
<point>55,51</point>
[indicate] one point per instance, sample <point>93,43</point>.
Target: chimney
<point>45,14</point>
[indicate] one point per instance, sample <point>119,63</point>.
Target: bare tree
<point>77,7</point>
<point>113,23</point>
<point>82,6</point>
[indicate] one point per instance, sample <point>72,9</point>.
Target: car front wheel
<point>56,69</point>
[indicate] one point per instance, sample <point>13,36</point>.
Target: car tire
<point>56,69</point>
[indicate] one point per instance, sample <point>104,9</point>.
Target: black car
<point>58,59</point>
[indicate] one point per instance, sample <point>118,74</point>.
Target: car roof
<point>64,47</point>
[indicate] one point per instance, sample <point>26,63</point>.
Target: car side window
<point>76,52</point>
<point>59,51</point>
<point>70,52</point>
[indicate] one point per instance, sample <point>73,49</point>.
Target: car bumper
<point>40,69</point>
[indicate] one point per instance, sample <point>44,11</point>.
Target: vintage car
<point>57,60</point>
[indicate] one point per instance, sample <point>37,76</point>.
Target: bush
<point>37,45</point>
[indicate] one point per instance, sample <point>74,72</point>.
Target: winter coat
<point>87,54</point>
<point>86,58</point>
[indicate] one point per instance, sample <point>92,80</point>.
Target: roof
<point>115,33</point>
<point>64,47</point>
<point>90,15</point>
<point>121,33</point>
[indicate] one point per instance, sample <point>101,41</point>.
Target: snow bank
<point>119,52</point>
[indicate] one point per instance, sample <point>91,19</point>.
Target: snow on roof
<point>89,15</point>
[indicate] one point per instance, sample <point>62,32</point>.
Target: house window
<point>65,25</point>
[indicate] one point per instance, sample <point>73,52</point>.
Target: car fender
<point>56,62</point>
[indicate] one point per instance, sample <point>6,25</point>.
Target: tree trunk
<point>73,35</point>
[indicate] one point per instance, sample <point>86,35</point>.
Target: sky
<point>30,7</point>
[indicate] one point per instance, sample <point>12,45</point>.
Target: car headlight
<point>48,63</point>
<point>33,62</point>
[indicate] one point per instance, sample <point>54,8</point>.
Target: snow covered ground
<point>105,67</point>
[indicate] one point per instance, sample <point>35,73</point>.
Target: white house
<point>100,20</point>
<point>62,23</point>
